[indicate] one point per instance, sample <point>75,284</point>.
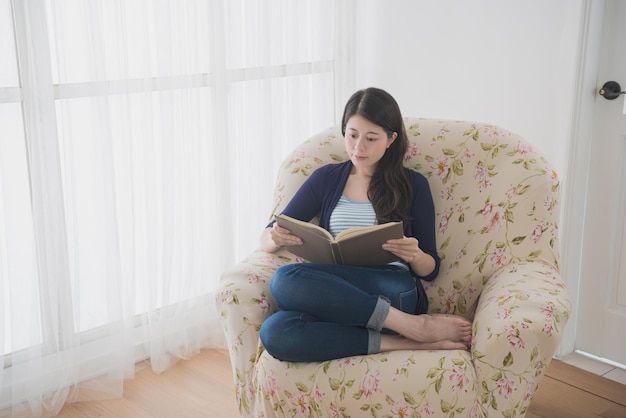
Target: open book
<point>359,246</point>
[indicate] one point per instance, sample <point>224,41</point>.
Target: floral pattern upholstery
<point>496,201</point>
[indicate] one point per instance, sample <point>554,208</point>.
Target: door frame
<point>578,165</point>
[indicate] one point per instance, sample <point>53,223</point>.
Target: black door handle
<point>611,90</point>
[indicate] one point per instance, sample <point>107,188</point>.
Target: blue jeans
<point>331,311</point>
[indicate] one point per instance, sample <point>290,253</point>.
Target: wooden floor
<point>197,388</point>
<point>203,387</point>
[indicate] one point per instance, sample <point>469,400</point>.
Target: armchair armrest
<point>243,302</point>
<point>518,324</point>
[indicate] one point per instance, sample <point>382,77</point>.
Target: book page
<point>360,230</point>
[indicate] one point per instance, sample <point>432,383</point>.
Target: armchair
<point>496,202</point>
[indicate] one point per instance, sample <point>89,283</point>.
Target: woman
<point>331,311</point>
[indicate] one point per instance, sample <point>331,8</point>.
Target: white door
<point>601,327</point>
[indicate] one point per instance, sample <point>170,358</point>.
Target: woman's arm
<point>420,246</point>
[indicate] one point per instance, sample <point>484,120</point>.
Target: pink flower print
<point>427,411</point>
<point>296,157</point>
<point>441,165</point>
<point>541,365</point>
<point>443,221</point>
<point>505,314</point>
<point>446,194</point>
<point>480,171</point>
<point>371,384</point>
<point>334,411</point>
<point>256,278</point>
<point>239,390</point>
<point>498,258</point>
<point>487,209</point>
<point>514,339</point>
<point>269,259</point>
<point>459,254</point>
<point>269,384</point>
<point>548,329</point>
<point>347,361</point>
<point>301,402</point>
<point>477,366</point>
<point>506,387</point>
<point>406,362</point>
<point>523,149</point>
<point>531,387</point>
<point>484,185</point>
<point>495,215</point>
<point>318,395</point>
<point>549,203</point>
<point>554,177</point>
<point>467,156</point>
<point>474,411</point>
<point>459,380</point>
<point>264,304</point>
<point>511,191</point>
<point>228,296</point>
<point>441,134</point>
<point>537,232</point>
<point>448,301</point>
<point>412,151</point>
<point>548,311</point>
<point>443,224</point>
<point>251,390</point>
<point>491,131</point>
<point>400,409</point>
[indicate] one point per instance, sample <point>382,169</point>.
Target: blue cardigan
<point>322,189</point>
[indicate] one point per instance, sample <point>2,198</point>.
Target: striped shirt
<point>350,214</point>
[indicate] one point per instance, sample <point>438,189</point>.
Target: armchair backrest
<point>495,200</point>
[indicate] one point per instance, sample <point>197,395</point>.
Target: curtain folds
<point>152,131</point>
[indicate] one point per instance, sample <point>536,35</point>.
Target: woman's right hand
<point>275,237</point>
<point>282,237</point>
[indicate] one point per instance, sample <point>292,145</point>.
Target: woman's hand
<point>275,237</point>
<point>407,249</point>
<point>282,237</point>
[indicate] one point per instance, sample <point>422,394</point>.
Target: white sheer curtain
<point>139,143</point>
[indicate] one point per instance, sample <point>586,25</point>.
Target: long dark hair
<point>390,189</point>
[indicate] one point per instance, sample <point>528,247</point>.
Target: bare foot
<point>398,342</point>
<point>427,328</point>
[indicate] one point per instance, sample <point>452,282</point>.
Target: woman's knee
<point>282,282</point>
<point>278,334</point>
<point>268,332</point>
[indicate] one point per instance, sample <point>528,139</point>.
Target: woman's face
<point>366,143</point>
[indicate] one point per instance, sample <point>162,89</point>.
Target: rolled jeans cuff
<point>373,342</point>
<point>381,310</point>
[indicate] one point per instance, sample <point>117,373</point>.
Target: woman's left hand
<point>407,248</point>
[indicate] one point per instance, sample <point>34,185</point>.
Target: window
<point>137,137</point>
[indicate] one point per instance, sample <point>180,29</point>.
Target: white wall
<point>509,63</point>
